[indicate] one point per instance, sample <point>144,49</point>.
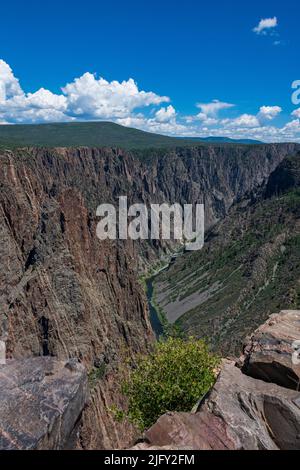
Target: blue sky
<point>203,66</point>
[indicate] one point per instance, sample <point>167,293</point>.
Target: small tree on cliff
<point>172,378</point>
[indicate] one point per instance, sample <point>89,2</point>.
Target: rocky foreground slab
<point>260,415</point>
<point>41,402</point>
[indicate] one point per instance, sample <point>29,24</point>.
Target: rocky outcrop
<point>240,413</point>
<point>201,431</point>
<point>261,415</point>
<point>268,352</point>
<point>41,403</point>
<point>243,412</point>
<point>66,294</point>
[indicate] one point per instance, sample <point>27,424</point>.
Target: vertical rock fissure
<point>44,324</point>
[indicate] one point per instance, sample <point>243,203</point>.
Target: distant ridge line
<point>96,134</point>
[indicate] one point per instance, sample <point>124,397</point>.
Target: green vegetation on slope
<point>171,378</point>
<point>96,374</point>
<point>87,134</point>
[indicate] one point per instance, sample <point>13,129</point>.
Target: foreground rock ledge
<point>268,352</point>
<point>41,402</point>
<point>188,431</point>
<point>262,416</point>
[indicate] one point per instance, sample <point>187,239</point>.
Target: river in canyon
<point>154,316</point>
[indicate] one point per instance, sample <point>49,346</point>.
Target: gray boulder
<point>41,402</point>
<point>201,431</point>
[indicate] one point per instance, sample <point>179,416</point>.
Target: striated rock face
<point>41,402</point>
<point>65,293</point>
<point>268,352</point>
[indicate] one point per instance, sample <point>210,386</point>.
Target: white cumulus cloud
<point>90,97</point>
<point>267,113</point>
<point>209,112</point>
<point>172,127</point>
<point>9,85</point>
<point>86,98</point>
<point>212,109</point>
<point>266,25</point>
<point>245,121</point>
<point>296,113</point>
<point>165,114</point>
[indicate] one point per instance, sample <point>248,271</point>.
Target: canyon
<point>66,294</point>
<point>248,269</point>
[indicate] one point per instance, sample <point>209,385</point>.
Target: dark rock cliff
<point>285,176</point>
<point>66,294</point>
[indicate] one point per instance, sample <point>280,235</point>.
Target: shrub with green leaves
<point>172,378</point>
